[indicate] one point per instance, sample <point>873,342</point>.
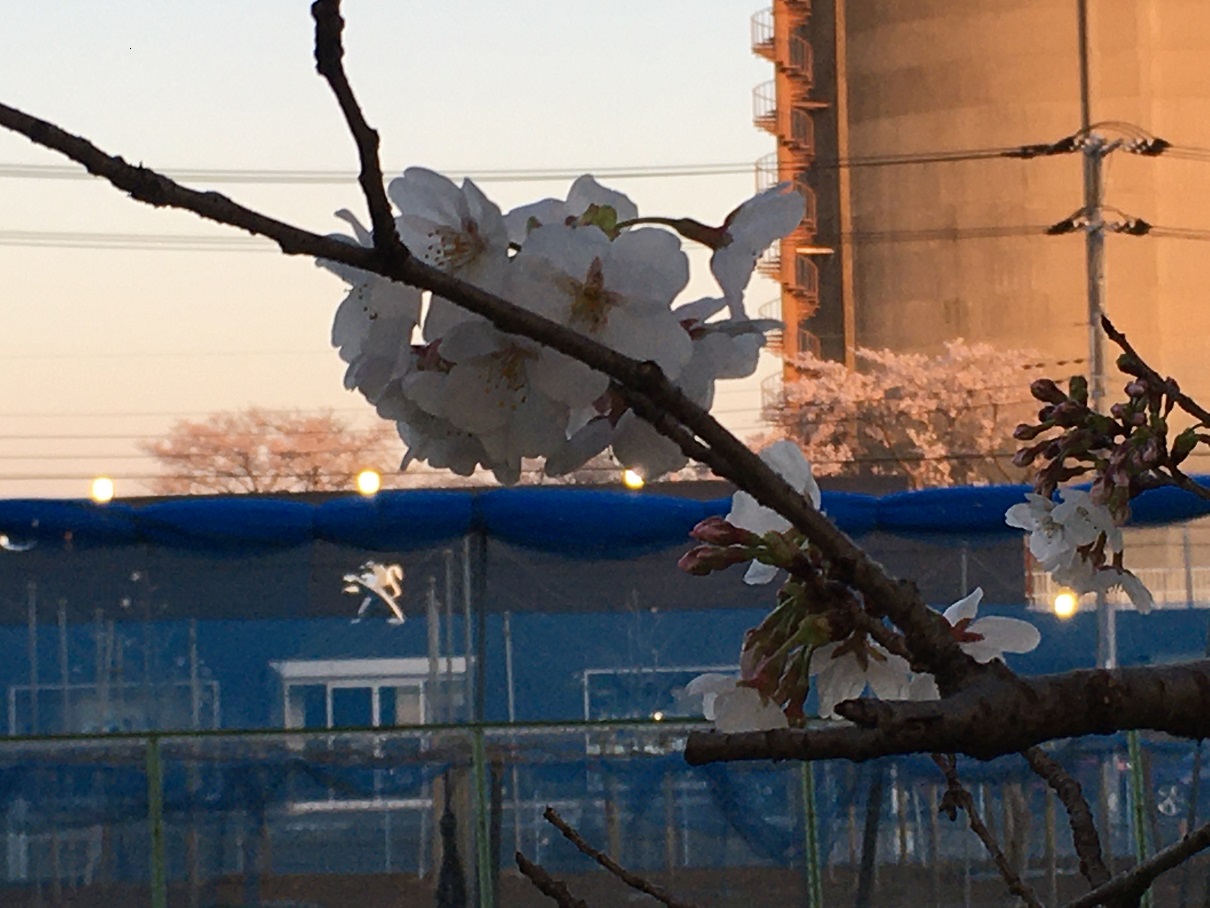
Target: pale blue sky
<point>118,342</point>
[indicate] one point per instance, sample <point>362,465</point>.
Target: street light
<point>368,482</point>
<point>101,490</point>
<point>1065,603</point>
<point>633,480</point>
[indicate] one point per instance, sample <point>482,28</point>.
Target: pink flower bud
<point>716,531</point>
<point>706,559</point>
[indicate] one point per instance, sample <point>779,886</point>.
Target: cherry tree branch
<point>958,798</point>
<point>633,880</point>
<point>548,885</point>
<point>1184,401</point>
<point>998,713</point>
<point>1084,834</point>
<point>329,61</point>
<point>1129,885</point>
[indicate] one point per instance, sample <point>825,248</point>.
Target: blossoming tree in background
<point>554,331</point>
<point>933,420</point>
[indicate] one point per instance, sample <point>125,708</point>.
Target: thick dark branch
<point>926,632</point>
<point>957,797</point>
<point>547,884</point>
<point>329,61</point>
<point>1134,882</point>
<point>634,881</point>
<point>1079,815</point>
<point>998,714</point>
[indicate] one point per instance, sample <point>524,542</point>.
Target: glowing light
<point>1065,603</point>
<point>101,490</point>
<point>658,716</point>
<point>632,480</point>
<point>368,482</point>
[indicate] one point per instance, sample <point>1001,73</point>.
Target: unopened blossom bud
<point>1069,413</point>
<point>1136,389</point>
<point>705,559</point>
<point>1047,391</point>
<point>717,531</point>
<point>781,550</point>
<point>1183,445</point>
<point>1027,432</point>
<point>1026,456</point>
<point>1078,389</point>
<point>1130,365</point>
<point>1121,411</point>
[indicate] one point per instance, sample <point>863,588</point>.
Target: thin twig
<point>329,61</point>
<point>1184,401</point>
<point>957,797</point>
<point>1079,815</point>
<point>547,884</point>
<point>634,881</point>
<point>1132,883</point>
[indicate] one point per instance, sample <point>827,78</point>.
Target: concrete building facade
<point>914,245</point>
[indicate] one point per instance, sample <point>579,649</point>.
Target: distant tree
<point>934,420</point>
<point>258,450</point>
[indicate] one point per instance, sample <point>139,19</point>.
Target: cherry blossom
<point>747,232</point>
<point>844,669</point>
<point>374,323</point>
<point>787,459</point>
<point>1057,531</point>
<point>618,292</point>
<point>584,193</point>
<point>985,639</point>
<point>458,230</point>
<point>734,707</point>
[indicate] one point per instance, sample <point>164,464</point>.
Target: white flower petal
<point>966,607</point>
<point>1001,635</point>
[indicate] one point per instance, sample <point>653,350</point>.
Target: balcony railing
<point>802,131</point>
<point>772,397</point>
<point>806,276</point>
<point>807,341</point>
<point>1172,587</point>
<point>767,172</point>
<point>764,106</point>
<point>809,221</point>
<point>762,34</point>
<point>802,59</point>
<point>774,339</point>
<point>769,264</point>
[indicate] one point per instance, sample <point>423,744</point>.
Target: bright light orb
<point>101,490</point>
<point>368,482</point>
<point>632,480</point>
<point>657,716</point>
<point>1065,603</point>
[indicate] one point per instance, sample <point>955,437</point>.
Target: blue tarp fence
<point>555,520</point>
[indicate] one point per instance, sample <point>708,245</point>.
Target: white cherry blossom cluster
<point>772,685</point>
<point>1069,539</point>
<point>465,395</point>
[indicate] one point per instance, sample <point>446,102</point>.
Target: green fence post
<point>155,823</point>
<point>1138,804</point>
<point>810,823</point>
<point>483,843</point>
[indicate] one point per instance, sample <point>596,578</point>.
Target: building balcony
<point>763,35</point>
<point>764,106</point>
<point>801,61</point>
<point>802,131</point>
<point>767,172</point>
<point>772,397</point>
<point>775,338</point>
<point>769,264</point>
<point>806,277</point>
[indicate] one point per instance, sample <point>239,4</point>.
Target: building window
<point>371,693</point>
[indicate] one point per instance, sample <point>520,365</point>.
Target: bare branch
<point>957,797</point>
<point>547,884</point>
<point>329,61</point>
<point>1132,883</point>
<point>1184,401</point>
<point>634,881</point>
<point>999,713</point>
<point>1079,815</point>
